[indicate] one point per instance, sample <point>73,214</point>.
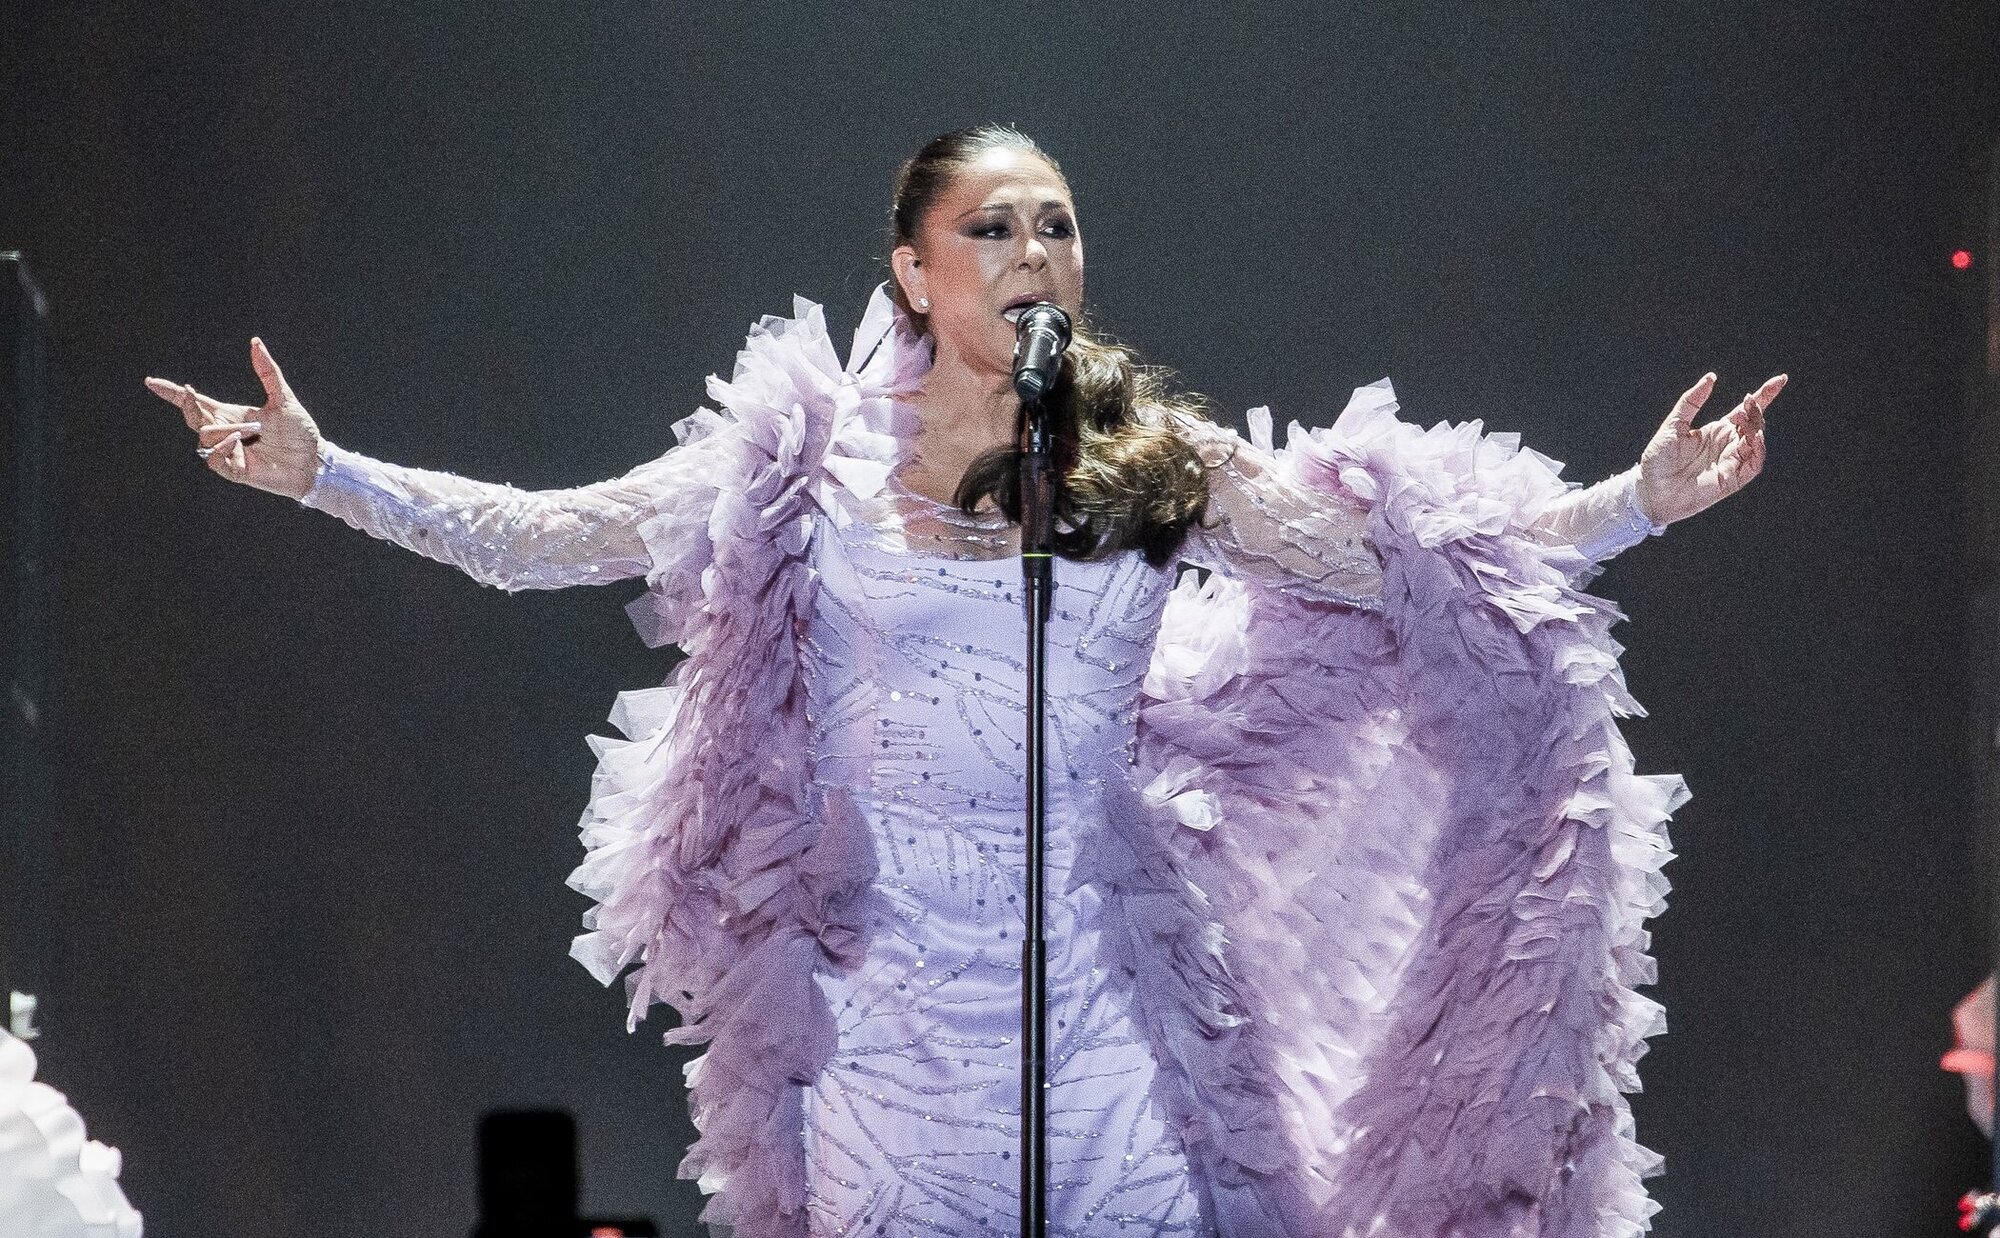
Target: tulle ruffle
<point>54,1182</point>
<point>713,873</point>
<point>1420,833</point>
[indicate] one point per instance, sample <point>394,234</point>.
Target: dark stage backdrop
<point>316,795</point>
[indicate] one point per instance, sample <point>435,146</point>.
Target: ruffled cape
<point>1380,905</point>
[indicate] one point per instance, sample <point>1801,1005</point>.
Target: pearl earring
<point>923,303</point>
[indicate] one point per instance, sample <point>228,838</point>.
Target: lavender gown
<point>911,662</point>
<point>914,666</point>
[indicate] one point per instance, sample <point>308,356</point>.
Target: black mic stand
<point>1038,581</point>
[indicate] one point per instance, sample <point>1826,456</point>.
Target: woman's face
<point>1002,233</point>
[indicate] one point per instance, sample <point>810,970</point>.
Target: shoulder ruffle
<point>715,884</point>
<point>789,410</point>
<point>1421,833</point>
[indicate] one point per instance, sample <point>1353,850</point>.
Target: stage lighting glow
<point>1961,260</point>
<point>607,1231</point>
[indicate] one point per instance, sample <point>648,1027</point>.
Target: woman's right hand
<point>273,448</point>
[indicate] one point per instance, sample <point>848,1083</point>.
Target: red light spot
<point>1961,259</point>
<point>607,1231</point>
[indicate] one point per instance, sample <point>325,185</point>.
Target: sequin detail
<point>913,670</point>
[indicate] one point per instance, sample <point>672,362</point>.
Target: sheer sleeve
<point>1262,526</point>
<point>497,534</point>
<point>1600,520</point>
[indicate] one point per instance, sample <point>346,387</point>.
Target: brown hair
<point>1128,480</point>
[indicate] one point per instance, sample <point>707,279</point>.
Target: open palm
<point>1686,468</point>
<point>275,447</point>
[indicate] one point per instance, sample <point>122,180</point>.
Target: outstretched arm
<point>1683,470</point>
<point>497,534</point>
<point>501,536</point>
<point>1262,525</point>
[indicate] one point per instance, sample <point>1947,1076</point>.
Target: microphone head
<point>1041,335</point>
<point>1045,316</point>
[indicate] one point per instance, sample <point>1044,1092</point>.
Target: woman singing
<point>1348,865</point>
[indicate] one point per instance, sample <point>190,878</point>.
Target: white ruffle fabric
<point>54,1182</point>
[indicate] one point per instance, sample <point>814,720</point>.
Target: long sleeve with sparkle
<point>495,533</point>
<point>1263,526</point>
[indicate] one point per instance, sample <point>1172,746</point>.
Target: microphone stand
<point>1038,581</point>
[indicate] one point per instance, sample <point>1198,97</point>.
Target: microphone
<point>1040,335</point>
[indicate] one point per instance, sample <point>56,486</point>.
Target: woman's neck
<point>963,401</point>
<point>962,413</point>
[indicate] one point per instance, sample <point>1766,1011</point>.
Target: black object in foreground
<point>528,1181</point>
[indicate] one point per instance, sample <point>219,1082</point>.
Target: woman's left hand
<point>1687,468</point>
